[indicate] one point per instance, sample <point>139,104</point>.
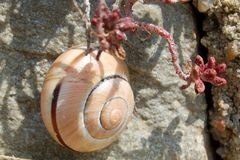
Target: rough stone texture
<point>223,41</point>
<point>167,124</point>
<point>203,5</point>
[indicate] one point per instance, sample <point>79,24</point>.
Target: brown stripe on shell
<point>54,114</point>
<point>89,95</point>
<point>105,78</point>
<point>54,105</point>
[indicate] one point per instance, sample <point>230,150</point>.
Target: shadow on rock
<point>140,40</point>
<point>161,144</point>
<point>35,25</point>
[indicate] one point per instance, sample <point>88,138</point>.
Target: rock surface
<point>223,41</point>
<point>168,123</point>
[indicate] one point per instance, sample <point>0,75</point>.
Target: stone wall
<point>222,39</point>
<point>168,123</point>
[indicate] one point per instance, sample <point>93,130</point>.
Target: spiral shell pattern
<point>85,103</point>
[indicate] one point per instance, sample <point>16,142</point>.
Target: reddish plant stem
<point>128,7</point>
<point>171,46</point>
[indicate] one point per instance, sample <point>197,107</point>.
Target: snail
<point>86,103</point>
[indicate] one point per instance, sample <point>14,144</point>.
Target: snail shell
<point>85,103</point>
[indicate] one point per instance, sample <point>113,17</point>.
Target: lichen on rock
<point>223,41</point>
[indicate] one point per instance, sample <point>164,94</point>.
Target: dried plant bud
<point>221,68</point>
<point>199,86</point>
<point>199,60</point>
<point>209,74</point>
<point>206,72</point>
<point>211,62</point>
<point>218,81</point>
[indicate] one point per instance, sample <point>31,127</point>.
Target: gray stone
<point>168,123</point>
